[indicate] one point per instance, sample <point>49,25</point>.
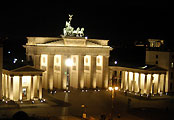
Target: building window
<point>74,60</point>
<point>86,60</point>
<point>98,60</point>
<point>57,60</point>
<point>156,56</point>
<point>43,59</point>
<point>156,62</point>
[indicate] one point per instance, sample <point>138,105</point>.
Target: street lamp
<point>68,63</point>
<point>113,89</point>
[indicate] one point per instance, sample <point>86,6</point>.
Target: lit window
<point>43,59</point>
<point>86,60</point>
<point>57,60</point>
<point>98,60</point>
<point>74,60</point>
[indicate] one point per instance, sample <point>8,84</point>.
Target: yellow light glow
<point>110,88</point>
<point>44,59</point>
<point>68,62</point>
<point>116,88</point>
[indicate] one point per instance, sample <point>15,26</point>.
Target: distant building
<point>162,58</point>
<point>155,77</point>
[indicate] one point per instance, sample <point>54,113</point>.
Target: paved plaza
<point>63,105</point>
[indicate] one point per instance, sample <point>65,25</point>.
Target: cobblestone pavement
<point>68,106</point>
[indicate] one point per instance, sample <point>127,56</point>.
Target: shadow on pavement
<point>59,103</point>
<point>151,113</point>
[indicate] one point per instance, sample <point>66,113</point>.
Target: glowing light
<point>9,52</point>
<point>144,67</point>
<point>68,62</point>
<point>86,37</point>
<point>115,62</point>
<point>110,88</point>
<point>15,60</point>
<point>116,88</point>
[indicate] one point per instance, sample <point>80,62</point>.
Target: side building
<point>89,66</point>
<point>155,77</point>
<point>164,58</point>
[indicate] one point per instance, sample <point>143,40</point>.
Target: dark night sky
<point>121,22</point>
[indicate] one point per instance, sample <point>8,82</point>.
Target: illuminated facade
<point>157,76</point>
<point>89,68</point>
<point>24,83</point>
<point>143,80</point>
<point>156,55</point>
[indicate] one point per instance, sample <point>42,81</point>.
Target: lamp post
<point>68,63</point>
<point>113,89</point>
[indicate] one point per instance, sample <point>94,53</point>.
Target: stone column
<point>105,71</point>
<point>1,64</point>
<point>37,61</point>
<point>63,71</point>
<point>11,88</point>
<point>118,78</point>
<point>3,85</point>
<point>158,83</point>
<point>8,87</point>
<point>50,71</point>
<point>31,88</point>
<point>123,80</point>
<point>93,72</point>
<point>139,83</point>
<point>40,87</point>
<point>164,83</point>
<point>81,72</point>
<point>20,87</point>
<point>145,83</point>
<point>150,86</point>
<point>133,89</point>
<point>128,81</point>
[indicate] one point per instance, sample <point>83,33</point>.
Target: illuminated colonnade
<point>20,84</point>
<point>87,71</point>
<point>141,81</point>
<point>90,61</point>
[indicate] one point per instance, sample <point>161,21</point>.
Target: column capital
<point>20,75</point>
<point>32,75</point>
<point>11,75</point>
